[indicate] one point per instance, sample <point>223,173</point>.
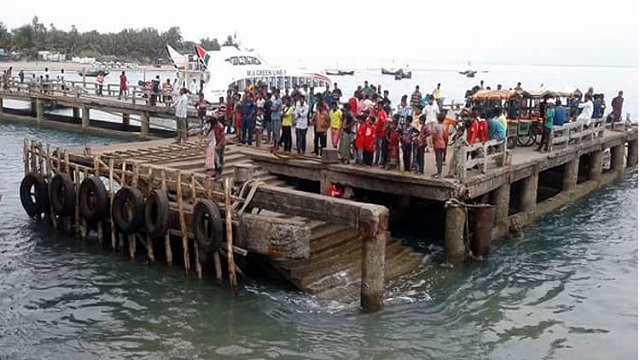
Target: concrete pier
<point>85,118</point>
<point>595,165</point>
<point>529,195</point>
<point>454,236</point>
<point>570,176</point>
<point>632,153</point>
<point>500,198</point>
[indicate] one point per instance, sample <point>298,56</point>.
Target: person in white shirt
<point>431,112</point>
<point>587,109</point>
<point>181,103</point>
<point>300,114</point>
<point>193,87</point>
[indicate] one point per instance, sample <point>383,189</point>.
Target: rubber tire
<point>156,213</point>
<point>98,209</point>
<point>63,194</point>
<point>128,225</point>
<point>212,239</point>
<point>39,204</point>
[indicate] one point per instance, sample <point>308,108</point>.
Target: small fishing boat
<point>403,75</point>
<point>339,72</point>
<point>94,72</point>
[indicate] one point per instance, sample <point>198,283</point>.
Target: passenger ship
<point>233,66</point>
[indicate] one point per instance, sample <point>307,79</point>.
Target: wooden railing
<point>480,155</point>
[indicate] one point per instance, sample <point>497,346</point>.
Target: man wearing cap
<point>547,126</point>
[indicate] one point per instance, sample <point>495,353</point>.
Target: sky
<point>355,34</point>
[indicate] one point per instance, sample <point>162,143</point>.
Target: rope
<point>254,183</point>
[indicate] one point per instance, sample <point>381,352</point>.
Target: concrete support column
<point>595,167</point>
<point>372,226</point>
<point>454,233</point>
<point>500,198</point>
<point>1,106</point>
<point>570,176</point>
<point>39,111</point>
<point>76,113</point>
<point>33,107</point>
<point>617,161</point>
<point>144,124</point>
<point>126,120</point>
<point>529,196</point>
<point>632,153</point>
<point>85,117</point>
<point>325,183</point>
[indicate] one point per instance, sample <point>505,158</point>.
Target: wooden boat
<point>391,71</point>
<point>403,75</point>
<point>339,72</point>
<point>93,72</point>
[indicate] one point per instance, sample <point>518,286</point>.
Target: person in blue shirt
<point>560,114</point>
<point>248,118</point>
<point>496,128</point>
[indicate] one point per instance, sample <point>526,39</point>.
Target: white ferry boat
<point>234,66</point>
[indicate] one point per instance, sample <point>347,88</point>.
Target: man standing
<point>439,146</point>
<point>416,98</point>
<point>367,89</point>
<point>616,105</point>
<point>181,104</point>
<point>155,90</point>
<point>21,76</point>
<point>123,86</point>
<point>247,117</point>
<point>336,124</point>
<point>276,118</point>
<point>201,108</point>
<point>518,87</point>
<point>560,114</point>
<point>437,96</point>
<point>547,126</point>
<point>327,96</point>
<point>336,94</point>
<point>302,124</point>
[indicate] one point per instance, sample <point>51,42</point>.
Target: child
<point>259,124</point>
<point>393,144</point>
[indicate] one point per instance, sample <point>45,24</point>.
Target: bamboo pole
<point>59,160</point>
<point>49,174</point>
<point>183,224</point>
<point>132,237</point>
<point>34,163</point>
<point>216,254</point>
<point>99,225</point>
<point>113,228</point>
<point>25,155</point>
<point>67,166</point>
<point>232,268</point>
<point>196,248</point>
<point>124,183</point>
<point>150,254</point>
<point>41,158</point>
<point>76,177</point>
<point>167,237</point>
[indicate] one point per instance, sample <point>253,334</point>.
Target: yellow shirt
<point>287,116</point>
<point>503,120</point>
<point>336,118</point>
<point>436,93</point>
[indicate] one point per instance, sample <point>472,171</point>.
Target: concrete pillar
<point>632,153</point>
<point>454,233</point>
<point>144,124</point>
<point>595,166</point>
<point>85,117</point>
<point>529,196</point>
<point>33,107</point>
<point>617,161</point>
<point>76,113</point>
<point>126,120</point>
<point>39,111</point>
<point>372,285</point>
<point>1,106</point>
<point>570,176</point>
<point>500,198</point>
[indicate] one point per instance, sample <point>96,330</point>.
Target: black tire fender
<point>207,225</point>
<point>92,197</point>
<point>156,213</point>
<point>63,194</point>
<point>36,203</point>
<point>128,210</point>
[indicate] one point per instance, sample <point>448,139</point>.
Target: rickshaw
<point>519,131</point>
<point>531,110</point>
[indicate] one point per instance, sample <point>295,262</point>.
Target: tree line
<point>144,45</point>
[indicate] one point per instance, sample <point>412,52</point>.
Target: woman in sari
<point>210,150</point>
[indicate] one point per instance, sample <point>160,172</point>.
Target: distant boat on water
<point>93,72</point>
<point>339,72</point>
<point>397,73</point>
<point>469,72</point>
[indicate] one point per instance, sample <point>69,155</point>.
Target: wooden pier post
<point>632,153</point>
<point>183,223</point>
<point>570,176</point>
<point>373,230</point>
<point>529,196</point>
<point>617,161</point>
<point>144,124</point>
<point>167,236</point>
<point>232,265</point>
<point>39,111</point>
<point>111,194</point>
<point>456,218</point>
<point>501,201</point>
<point>595,166</point>
<point>85,118</point>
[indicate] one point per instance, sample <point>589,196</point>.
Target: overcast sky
<point>357,35</point>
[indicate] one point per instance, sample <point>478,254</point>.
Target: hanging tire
<point>36,202</point>
<point>207,225</point>
<point>156,213</point>
<point>128,210</point>
<point>92,199</point>
<point>63,194</point>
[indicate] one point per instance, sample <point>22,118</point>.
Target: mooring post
<point>456,217</point>
<point>570,176</point>
<point>85,117</point>
<point>501,201</point>
<point>595,167</point>
<point>617,161</point>
<point>632,153</point>
<point>373,230</point>
<point>144,124</point>
<point>529,196</point>
<point>39,111</point>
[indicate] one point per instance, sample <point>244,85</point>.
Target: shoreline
<point>54,66</point>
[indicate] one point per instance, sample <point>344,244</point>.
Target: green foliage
<point>144,45</point>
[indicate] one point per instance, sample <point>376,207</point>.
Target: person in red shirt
<point>353,104</point>
<point>381,126</point>
<point>369,141</point>
<point>359,142</point>
<point>123,86</point>
<point>439,145</point>
<point>393,144</point>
